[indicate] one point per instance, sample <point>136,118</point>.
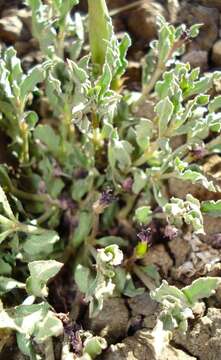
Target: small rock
<point>203,339</point>
<point>196,14</point>
<point>24,47</point>
<point>180,248</point>
<point>211,3</point>
<point>142,21</point>
<point>10,29</point>
<point>141,347</point>
<point>216,53</point>
<point>143,305</point>
<point>197,58</point>
<point>159,256</point>
<point>172,353</point>
<point>112,321</point>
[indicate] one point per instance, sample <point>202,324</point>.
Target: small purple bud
<point>127,184</point>
<point>145,235</point>
<point>80,174</point>
<point>171,232</point>
<point>73,332</point>
<point>199,151</point>
<point>106,198</point>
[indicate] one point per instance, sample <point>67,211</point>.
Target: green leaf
<point>200,289</point>
<point>41,272</point>
<point>94,346</point>
<point>5,204</point>
<point>164,110</point>
<point>47,135</point>
<point>83,229</point>
<point>130,290</point>
<point>105,80</point>
<point>166,291</point>
<point>7,321</point>
<point>8,284</point>
<point>143,133</point>
<point>194,30</point>
<point>110,240</point>
<point>6,233</point>
<point>83,278</point>
<point>35,76</point>
<point>215,104</point>
<point>40,244</point>
<point>48,327</point>
<point>100,30</point>
<point>143,214</point>
<point>140,181</point>
<point>5,267</point>
<point>212,208</point>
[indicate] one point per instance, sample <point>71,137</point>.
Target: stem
<point>49,350</point>
<point>60,42</point>
<point>32,197</point>
<point>46,215</point>
<point>126,7</point>
<point>143,277</point>
<point>149,87</point>
<point>147,154</point>
<point>129,206</point>
<point>161,66</point>
<point>95,227</point>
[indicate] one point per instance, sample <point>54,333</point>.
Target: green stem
<point>147,154</point>
<point>45,198</point>
<point>149,87</point>
<point>47,214</point>
<point>130,200</point>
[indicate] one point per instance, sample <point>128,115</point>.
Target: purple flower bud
<point>80,174</point>
<point>106,198</point>
<point>145,235</point>
<point>171,232</point>
<point>127,184</point>
<point>199,151</point>
<point>73,332</point>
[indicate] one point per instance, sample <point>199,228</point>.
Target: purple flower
<point>171,232</point>
<point>199,151</point>
<point>145,235</point>
<point>73,332</point>
<point>106,198</point>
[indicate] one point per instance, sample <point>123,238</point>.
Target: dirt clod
<point>203,340</point>
<point>112,321</point>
